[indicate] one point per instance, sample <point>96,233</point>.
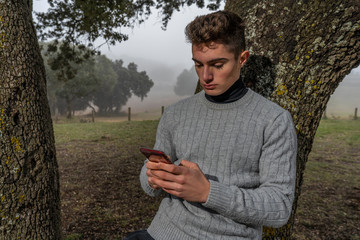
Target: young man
<point>234,152</point>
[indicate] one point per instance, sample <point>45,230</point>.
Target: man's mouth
<point>209,86</point>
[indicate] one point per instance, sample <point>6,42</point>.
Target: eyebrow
<point>212,60</point>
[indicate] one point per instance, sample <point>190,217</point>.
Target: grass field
<point>329,206</point>
<point>101,196</point>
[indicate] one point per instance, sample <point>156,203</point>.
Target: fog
<point>162,93</point>
<point>346,96</point>
<point>162,54</point>
<point>342,102</point>
<point>165,54</point>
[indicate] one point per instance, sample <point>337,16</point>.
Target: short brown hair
<point>221,27</point>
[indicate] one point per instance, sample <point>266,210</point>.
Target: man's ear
<point>244,56</point>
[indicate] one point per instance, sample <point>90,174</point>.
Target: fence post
<point>355,115</point>
<point>162,110</point>
<point>93,115</point>
<point>129,114</point>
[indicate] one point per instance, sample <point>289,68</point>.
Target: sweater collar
<point>234,93</point>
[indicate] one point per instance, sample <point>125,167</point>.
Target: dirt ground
<point>329,204</point>
<point>100,191</point>
<point>102,198</point>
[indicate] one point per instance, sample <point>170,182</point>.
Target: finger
<point>156,158</point>
<point>173,192</point>
<point>172,168</point>
<point>149,173</point>
<point>152,165</point>
<point>156,165</point>
<point>155,174</point>
<point>169,177</point>
<point>188,164</point>
<point>152,184</point>
<point>168,185</point>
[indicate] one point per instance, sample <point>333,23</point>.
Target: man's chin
<point>212,93</point>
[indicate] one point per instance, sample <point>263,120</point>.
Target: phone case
<point>148,152</point>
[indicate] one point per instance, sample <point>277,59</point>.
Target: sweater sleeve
<point>271,202</point>
<point>163,143</point>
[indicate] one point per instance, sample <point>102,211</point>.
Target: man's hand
<point>153,158</point>
<point>185,181</point>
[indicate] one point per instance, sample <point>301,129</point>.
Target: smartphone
<point>148,152</point>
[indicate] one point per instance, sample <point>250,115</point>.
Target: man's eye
<point>198,65</point>
<point>218,66</point>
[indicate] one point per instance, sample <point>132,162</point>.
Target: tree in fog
<point>77,91</point>
<point>122,89</point>
<point>68,92</point>
<point>140,83</point>
<point>118,84</point>
<point>108,79</point>
<point>96,81</point>
<point>186,82</point>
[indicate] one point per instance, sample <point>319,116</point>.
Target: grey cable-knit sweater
<point>247,150</point>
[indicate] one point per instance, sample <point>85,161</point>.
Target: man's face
<point>216,67</point>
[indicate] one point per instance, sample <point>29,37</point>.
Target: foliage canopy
<point>82,22</point>
<point>97,81</point>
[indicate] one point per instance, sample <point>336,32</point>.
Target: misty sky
<point>164,55</point>
<point>148,41</point>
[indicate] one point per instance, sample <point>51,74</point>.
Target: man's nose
<point>207,74</point>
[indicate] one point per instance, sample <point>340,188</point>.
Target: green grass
<point>346,130</point>
<point>335,152</point>
<point>128,131</point>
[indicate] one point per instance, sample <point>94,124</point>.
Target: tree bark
<point>301,51</point>
<point>29,181</point>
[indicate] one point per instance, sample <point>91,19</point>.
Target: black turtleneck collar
<point>234,93</point>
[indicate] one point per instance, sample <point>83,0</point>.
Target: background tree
<point>80,23</point>
<point>115,90</point>
<point>122,88</point>
<point>52,85</point>
<point>29,182</point>
<point>77,91</point>
<point>301,51</point>
<point>103,97</point>
<point>96,81</point>
<point>74,20</point>
<point>186,82</point>
<point>140,83</point>
<point>71,91</point>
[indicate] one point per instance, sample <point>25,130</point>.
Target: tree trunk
<point>29,181</point>
<point>68,107</point>
<point>301,51</point>
<point>93,111</point>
